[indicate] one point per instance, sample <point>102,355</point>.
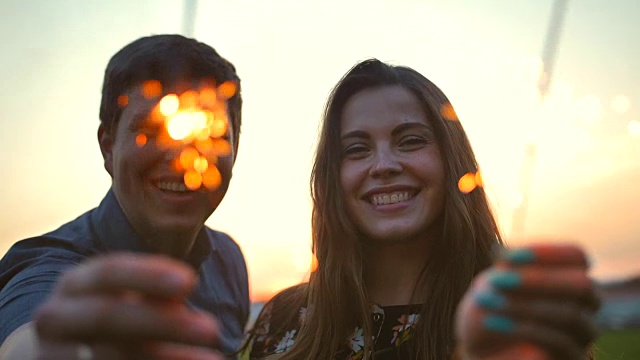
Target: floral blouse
<point>393,327</point>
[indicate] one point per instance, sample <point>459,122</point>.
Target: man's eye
<point>149,130</point>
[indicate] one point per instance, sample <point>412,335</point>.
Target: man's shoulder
<point>222,241</point>
<point>70,242</point>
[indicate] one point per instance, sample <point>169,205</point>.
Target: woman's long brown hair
<point>336,294</point>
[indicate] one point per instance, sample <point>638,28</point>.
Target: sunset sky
<point>484,54</point>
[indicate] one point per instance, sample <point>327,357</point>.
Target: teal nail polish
<point>505,279</point>
<point>498,324</point>
<point>490,300</point>
<point>521,256</point>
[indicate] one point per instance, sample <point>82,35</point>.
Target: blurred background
<point>559,153</point>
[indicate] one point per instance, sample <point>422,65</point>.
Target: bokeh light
<point>189,100</point>
<point>180,125</point>
<point>187,157</point>
<point>123,100</point>
<point>467,183</point>
<point>634,128</point>
<point>227,89</point>
<point>200,164</point>
<point>620,104</point>
<point>151,89</point>
<point>169,104</point>
<point>192,179</point>
<point>448,112</point>
<point>208,97</point>
<point>211,178</point>
<point>141,140</point>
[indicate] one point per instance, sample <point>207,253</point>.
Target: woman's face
<point>392,174</point>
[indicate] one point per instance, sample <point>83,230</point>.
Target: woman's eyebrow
<point>359,134</point>
<point>410,125</point>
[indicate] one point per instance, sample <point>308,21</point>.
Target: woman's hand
<point>534,303</point>
<point>125,306</point>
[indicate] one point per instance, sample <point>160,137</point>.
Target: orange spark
<point>169,104</point>
<point>221,147</point>
<point>192,179</point>
<point>227,89</point>
<point>205,146</point>
<point>141,140</point>
<point>217,123</point>
<point>448,112</point>
<point>208,97</point>
<point>314,263</point>
<point>211,178</point>
<point>189,99</point>
<point>164,140</point>
<point>187,157</point>
<point>151,89</point>
<point>200,164</point>
<point>123,100</point>
<point>467,183</point>
<point>180,125</point>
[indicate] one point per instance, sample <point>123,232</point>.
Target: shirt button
<point>377,317</point>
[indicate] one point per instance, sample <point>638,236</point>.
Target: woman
<point>398,244</point>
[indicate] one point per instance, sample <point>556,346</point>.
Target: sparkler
<point>469,181</point>
<point>195,121</point>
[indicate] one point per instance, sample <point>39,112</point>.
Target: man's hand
<point>125,306</point>
<point>535,303</point>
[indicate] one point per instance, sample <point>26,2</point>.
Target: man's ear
<point>105,139</point>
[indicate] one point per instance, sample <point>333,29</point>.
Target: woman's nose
<point>385,164</point>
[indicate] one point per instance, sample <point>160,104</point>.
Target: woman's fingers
<point>557,343</point>
<point>566,283</point>
<point>154,276</point>
<point>562,316</point>
<point>122,320</point>
<point>565,255</point>
<point>538,297</point>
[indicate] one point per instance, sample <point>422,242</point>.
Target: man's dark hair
<point>172,60</point>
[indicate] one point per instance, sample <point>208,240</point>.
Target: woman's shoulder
<point>284,308</point>
<point>279,321</point>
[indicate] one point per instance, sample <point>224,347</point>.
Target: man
<point>141,275</point>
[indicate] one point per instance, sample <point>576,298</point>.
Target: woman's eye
<point>412,142</point>
<point>355,151</point>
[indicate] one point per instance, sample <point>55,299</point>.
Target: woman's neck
<point>393,271</point>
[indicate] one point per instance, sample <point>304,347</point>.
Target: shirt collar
<point>115,233</point>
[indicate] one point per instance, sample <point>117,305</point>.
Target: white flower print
<point>287,342</point>
<point>357,340</point>
<point>402,331</point>
<point>412,320</point>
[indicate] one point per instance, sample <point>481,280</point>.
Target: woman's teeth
<point>392,198</point>
<point>172,186</point>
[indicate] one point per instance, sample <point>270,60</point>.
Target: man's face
<point>148,186</point>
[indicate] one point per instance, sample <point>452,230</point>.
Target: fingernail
<point>505,279</point>
<point>490,300</point>
<point>521,256</point>
<point>498,324</point>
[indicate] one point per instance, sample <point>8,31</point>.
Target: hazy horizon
<point>485,55</point>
